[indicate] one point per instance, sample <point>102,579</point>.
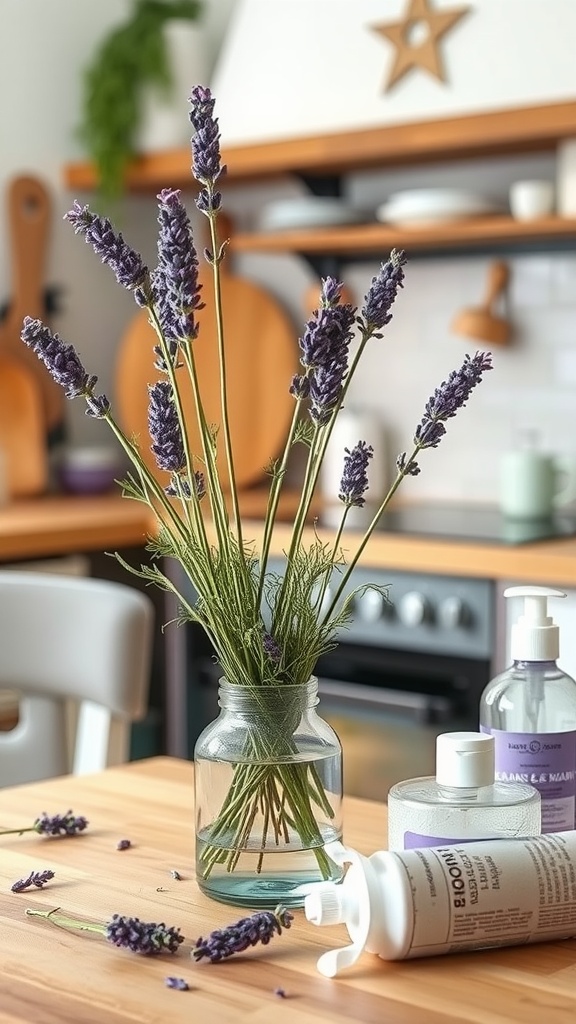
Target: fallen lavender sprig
<point>123,844</point>
<point>37,878</point>
<point>59,825</point>
<point>248,931</point>
<point>130,933</point>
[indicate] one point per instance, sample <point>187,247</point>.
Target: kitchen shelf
<point>322,159</point>
<point>369,239</point>
<point>517,130</point>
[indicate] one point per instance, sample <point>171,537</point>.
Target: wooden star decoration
<point>416,39</point>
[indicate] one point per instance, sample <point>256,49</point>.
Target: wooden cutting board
<point>261,357</point>
<point>22,430</point>
<point>29,220</point>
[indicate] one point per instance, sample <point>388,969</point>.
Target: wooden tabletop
<point>52,976</point>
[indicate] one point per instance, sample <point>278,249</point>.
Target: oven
<point>405,669</point>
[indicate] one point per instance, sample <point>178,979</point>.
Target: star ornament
<point>416,39</point>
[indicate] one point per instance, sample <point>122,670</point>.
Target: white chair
<point>65,639</point>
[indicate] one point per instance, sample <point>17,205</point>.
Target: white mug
<point>533,485</point>
<point>531,199</point>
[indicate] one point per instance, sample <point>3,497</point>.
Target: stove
<point>481,523</point>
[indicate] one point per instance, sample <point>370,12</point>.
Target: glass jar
<point>268,789</point>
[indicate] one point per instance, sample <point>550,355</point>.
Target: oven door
<point>389,706</point>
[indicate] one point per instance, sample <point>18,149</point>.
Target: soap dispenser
<point>530,710</point>
<point>463,801</point>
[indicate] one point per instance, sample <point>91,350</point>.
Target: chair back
<point>66,639</point>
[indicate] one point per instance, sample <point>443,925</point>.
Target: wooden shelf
<point>370,239</point>
<point>517,130</point>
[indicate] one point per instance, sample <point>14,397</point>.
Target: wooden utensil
<point>29,218</point>
<point>481,322</point>
<point>261,358</point>
<point>22,430</point>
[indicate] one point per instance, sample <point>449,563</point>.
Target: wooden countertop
<point>60,525</point>
<point>51,975</point>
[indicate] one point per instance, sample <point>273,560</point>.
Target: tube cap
<point>465,759</point>
<point>535,636</point>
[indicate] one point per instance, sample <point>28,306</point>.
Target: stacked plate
<point>421,206</point>
<point>307,212</point>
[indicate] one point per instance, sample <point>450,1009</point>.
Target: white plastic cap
<point>465,759</point>
<point>324,904</point>
<point>535,637</point>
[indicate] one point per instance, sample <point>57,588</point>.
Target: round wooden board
<point>261,359</point>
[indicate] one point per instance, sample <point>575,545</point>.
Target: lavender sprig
<point>354,481</point>
<point>176,285</point>
<point>37,878</point>
<point>248,931</point>
<point>148,939</point>
<point>164,427</point>
<point>178,983</point>
<point>58,825</point>
<point>126,264</point>
<point>446,401</point>
<point>206,165</point>
<point>64,365</point>
<point>382,292</point>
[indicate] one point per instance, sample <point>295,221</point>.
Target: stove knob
<point>413,608</point>
<point>371,605</point>
<point>453,613</point>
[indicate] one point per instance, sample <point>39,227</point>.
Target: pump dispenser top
<point>535,636</point>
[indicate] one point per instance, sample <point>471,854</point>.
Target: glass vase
<point>268,788</point>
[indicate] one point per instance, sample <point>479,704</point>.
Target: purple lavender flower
<point>167,442</point>
<point>451,396</point>
<point>37,878</point>
<point>178,983</point>
<point>64,364</point>
<point>382,292</point>
<point>148,939</point>
<point>123,844</point>
<point>176,285</point>
<point>60,825</point>
<point>249,931</point>
<point>125,932</point>
<point>271,647</point>
<point>354,481</point>
<point>206,165</point>
<point>324,350</point>
<point>109,245</point>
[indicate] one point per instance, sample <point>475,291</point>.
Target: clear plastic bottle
<point>530,709</point>
<point>463,801</point>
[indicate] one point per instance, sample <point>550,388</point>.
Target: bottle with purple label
<point>530,710</point>
<point>463,802</point>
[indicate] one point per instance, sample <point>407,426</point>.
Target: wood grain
<point>512,130</point>
<point>51,976</point>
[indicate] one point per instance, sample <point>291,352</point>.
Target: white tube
<point>449,899</point>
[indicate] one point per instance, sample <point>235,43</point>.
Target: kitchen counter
<point>52,975</point>
<point>59,524</point>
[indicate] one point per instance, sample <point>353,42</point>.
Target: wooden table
<point>52,976</point>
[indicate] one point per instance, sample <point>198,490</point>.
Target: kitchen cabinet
<point>322,161</point>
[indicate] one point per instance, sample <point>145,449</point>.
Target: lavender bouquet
<point>268,629</point>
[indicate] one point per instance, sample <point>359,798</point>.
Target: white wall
<point>44,45</point>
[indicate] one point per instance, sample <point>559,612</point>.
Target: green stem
<point>369,531</point>
<point>67,922</point>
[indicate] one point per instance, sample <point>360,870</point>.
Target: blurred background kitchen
<point>289,68</point>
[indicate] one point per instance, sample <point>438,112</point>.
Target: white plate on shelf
<point>309,211</point>
<point>429,206</point>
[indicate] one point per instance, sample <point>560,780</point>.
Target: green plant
<point>133,55</point>
<point>268,630</point>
